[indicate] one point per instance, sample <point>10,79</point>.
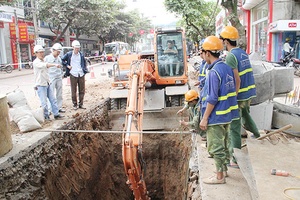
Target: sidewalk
<point>15,73</point>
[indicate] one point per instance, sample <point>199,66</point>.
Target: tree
<point>232,8</point>
<point>198,16</point>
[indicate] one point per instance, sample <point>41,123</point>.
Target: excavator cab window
<point>170,54</point>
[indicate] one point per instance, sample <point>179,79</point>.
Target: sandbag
<point>16,98</point>
<point>38,114</point>
<point>24,119</point>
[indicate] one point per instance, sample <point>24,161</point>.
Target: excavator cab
<point>170,58</point>
<point>166,63</point>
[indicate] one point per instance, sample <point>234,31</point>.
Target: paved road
<point>24,80</point>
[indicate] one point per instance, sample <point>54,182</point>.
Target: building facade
<point>267,24</point>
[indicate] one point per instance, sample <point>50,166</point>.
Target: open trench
<point>89,165</point>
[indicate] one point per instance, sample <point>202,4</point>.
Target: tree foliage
<point>105,19</point>
<point>198,16</point>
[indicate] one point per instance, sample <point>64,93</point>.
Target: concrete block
<point>264,80</point>
<point>284,79</point>
<point>281,119</point>
<point>262,115</point>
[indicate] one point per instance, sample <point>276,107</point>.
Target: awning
<point>249,4</point>
<point>284,25</point>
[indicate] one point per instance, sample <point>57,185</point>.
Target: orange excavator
<point>152,83</point>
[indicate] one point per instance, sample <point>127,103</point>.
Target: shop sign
<point>5,17</point>
<point>23,34</point>
<point>285,25</point>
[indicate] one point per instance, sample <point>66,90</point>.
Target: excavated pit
<point>89,165</point>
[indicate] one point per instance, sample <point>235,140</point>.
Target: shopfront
<point>281,30</point>
<point>4,18</point>
<point>26,41</point>
<point>260,30</point>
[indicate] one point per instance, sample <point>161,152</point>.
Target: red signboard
<point>292,24</point>
<point>23,33</point>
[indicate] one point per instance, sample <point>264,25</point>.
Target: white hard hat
<point>76,44</point>
<point>38,48</point>
<point>57,46</point>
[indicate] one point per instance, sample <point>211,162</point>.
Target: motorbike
<point>291,61</point>
<point>6,67</point>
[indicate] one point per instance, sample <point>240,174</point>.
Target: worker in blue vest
<point>219,107</point>
<point>239,61</point>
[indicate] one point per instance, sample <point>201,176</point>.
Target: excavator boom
<point>140,74</point>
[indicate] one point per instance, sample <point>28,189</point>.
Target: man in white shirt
<point>56,74</point>
<point>76,68</point>
<point>42,82</point>
<point>286,47</point>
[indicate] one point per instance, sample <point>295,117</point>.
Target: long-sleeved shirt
<point>40,72</point>
<point>54,72</point>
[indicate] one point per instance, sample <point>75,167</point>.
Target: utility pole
<point>17,41</point>
<point>36,32</point>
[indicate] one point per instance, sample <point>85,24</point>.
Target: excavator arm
<point>141,74</point>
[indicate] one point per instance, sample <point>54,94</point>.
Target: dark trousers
<point>80,81</point>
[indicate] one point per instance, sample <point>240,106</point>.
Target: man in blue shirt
<point>219,107</point>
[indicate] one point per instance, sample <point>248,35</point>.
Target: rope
<point>119,132</point>
<point>287,189</point>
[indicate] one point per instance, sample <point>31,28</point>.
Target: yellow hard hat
<point>212,43</point>
<point>229,32</point>
<point>191,95</point>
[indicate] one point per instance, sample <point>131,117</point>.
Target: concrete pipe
<point>5,132</point>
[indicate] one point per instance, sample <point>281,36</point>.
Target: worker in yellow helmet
<point>218,107</point>
<point>239,61</point>
<point>192,104</point>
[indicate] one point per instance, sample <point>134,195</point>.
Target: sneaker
<point>75,107</point>
<point>225,174</point>
<point>61,111</point>
<point>213,180</point>
<point>47,119</point>
<point>81,107</point>
<point>58,117</point>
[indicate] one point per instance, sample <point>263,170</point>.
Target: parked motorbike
<point>291,61</point>
<point>6,67</point>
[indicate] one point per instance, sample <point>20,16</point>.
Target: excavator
<point>152,83</point>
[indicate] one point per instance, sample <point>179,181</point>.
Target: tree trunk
<point>231,6</point>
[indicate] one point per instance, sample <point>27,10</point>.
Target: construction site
<point>133,126</point>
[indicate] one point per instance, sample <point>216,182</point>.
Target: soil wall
<point>89,165</point>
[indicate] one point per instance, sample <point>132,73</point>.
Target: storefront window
<point>260,29</point>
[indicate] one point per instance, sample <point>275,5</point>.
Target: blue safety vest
<point>226,108</point>
<point>247,89</point>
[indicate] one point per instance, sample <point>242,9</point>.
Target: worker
<point>202,73</point>
<point>192,104</point>
<point>287,47</point>
<point>239,61</point>
<point>218,107</point>
<point>172,58</point>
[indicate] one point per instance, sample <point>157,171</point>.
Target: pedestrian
<point>287,47</point>
<point>42,82</point>
<point>56,74</point>
<point>76,68</point>
<point>239,61</point>
<point>219,107</point>
<point>192,104</point>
